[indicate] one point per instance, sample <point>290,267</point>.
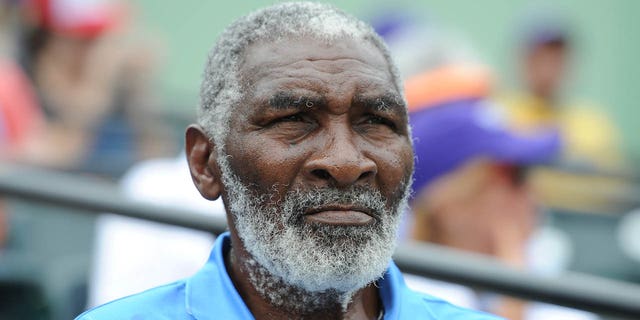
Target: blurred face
<point>545,68</point>
<point>319,162</point>
<point>483,206</point>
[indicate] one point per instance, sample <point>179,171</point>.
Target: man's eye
<point>378,120</point>
<point>291,118</point>
<point>288,119</point>
<point>291,128</point>
<point>298,121</point>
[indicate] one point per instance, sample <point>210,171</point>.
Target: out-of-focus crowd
<point>479,179</point>
<point>77,94</point>
<point>76,91</point>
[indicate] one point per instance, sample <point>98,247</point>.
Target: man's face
<point>545,68</point>
<point>319,162</point>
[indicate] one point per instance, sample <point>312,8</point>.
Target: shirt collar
<point>210,293</point>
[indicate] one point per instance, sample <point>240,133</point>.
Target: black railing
<point>595,294</point>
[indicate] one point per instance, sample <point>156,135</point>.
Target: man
<point>545,57</point>
<point>92,78</point>
<point>303,132</point>
<point>591,141</point>
<point>474,196</point>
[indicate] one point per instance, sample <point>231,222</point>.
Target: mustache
<point>297,203</point>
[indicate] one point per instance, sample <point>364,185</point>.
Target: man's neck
<point>269,297</point>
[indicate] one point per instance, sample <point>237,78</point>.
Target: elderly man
<point>303,132</point>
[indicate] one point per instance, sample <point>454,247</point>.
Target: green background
<point>605,70</point>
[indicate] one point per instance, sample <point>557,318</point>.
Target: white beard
<point>312,258</point>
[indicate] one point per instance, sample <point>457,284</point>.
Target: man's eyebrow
<point>288,100</point>
<point>388,102</point>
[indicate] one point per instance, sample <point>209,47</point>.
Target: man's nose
<point>340,163</point>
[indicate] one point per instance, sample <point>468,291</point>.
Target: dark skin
<point>313,115</point>
<point>545,68</point>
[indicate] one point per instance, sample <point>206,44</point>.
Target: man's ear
<point>201,156</point>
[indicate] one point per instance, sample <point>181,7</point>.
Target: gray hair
<point>221,86</point>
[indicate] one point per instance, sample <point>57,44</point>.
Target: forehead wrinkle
<point>334,66</point>
<point>325,73</point>
<point>327,65</point>
<point>363,47</point>
<point>320,73</point>
<point>316,83</point>
<point>362,51</point>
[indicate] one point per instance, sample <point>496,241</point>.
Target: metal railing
<point>590,293</point>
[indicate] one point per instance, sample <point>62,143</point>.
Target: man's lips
<point>340,216</point>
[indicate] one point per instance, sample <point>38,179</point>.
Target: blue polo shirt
<point>210,294</point>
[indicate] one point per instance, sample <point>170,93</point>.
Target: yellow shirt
<point>590,138</point>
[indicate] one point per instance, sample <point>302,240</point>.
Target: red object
<point>18,107</point>
<point>76,18</point>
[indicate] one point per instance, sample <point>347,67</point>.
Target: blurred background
<point>524,117</point>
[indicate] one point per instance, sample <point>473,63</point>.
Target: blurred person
<point>303,132</point>
<point>591,174</point>
<point>75,61</point>
<point>474,195</point>
<point>20,120</point>
<point>20,123</point>
<point>476,176</point>
<point>479,160</point>
<point>92,79</point>
<point>20,117</point>
<point>546,46</point>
